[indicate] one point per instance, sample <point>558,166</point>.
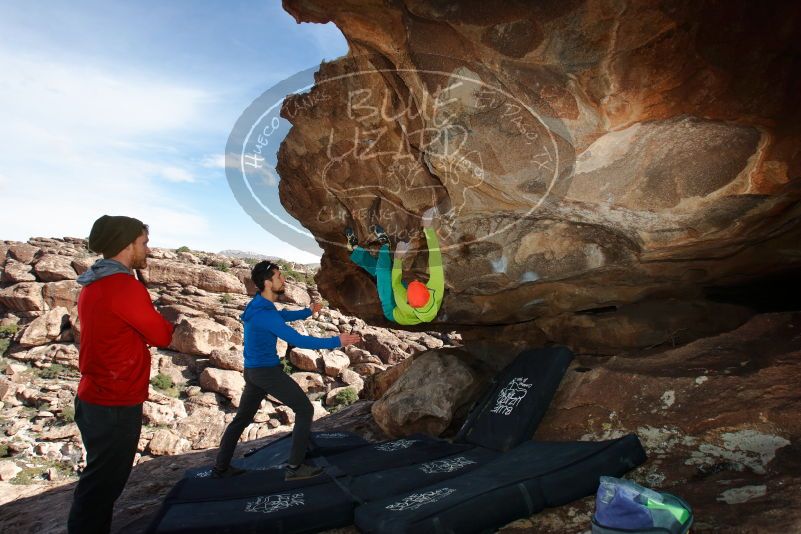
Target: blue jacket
<point>264,324</point>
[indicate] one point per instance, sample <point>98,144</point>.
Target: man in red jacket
<point>118,322</point>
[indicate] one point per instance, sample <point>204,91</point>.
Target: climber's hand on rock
<point>316,307</point>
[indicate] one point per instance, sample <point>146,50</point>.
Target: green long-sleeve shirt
<point>405,314</point>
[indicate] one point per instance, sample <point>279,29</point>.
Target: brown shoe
<point>302,472</point>
<point>229,472</point>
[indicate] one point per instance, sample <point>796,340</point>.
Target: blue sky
<point>125,108</point>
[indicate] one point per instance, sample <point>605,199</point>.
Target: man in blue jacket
<point>264,374</point>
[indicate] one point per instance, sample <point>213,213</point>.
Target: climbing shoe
<point>380,234</point>
<point>351,236</point>
<point>301,472</point>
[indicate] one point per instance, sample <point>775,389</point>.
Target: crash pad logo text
<point>511,395</point>
<point>396,445</point>
<point>416,500</point>
<point>445,466</point>
<point>274,503</point>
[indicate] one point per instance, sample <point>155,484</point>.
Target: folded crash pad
<point>513,408</point>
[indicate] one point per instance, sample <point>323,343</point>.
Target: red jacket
<point>118,321</point>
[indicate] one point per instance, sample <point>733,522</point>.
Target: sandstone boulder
<point>284,415</point>
<point>5,387</point>
<point>187,257</point>
<point>352,379</point>
<point>235,326</point>
<point>305,359</point>
<point>309,382</point>
<point>55,267</point>
<point>45,329</point>
<point>243,275</point>
<point>75,323</point>
<point>229,384</point>
<point>203,427</point>
<point>46,354</point>
<point>358,355</point>
<point>334,362</point>
<point>22,252</point>
<point>319,410</point>
<point>233,360</point>
<point>201,276</point>
<point>295,293</point>
<point>281,348</point>
<point>25,296</point>
<point>173,312</point>
<point>163,413</point>
<point>64,293</point>
<point>331,396</point>
<point>384,345</point>
<point>436,386</point>
<point>200,336</point>
<point>378,379</point>
<point>8,470</point>
<point>369,369</point>
<point>59,433</point>
<point>81,264</point>
<point>15,272</point>
<point>167,443</point>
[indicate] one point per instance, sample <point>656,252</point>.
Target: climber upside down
<point>404,304</point>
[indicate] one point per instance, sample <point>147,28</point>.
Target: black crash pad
<point>303,509</point>
<point>388,482</point>
<point>414,449</point>
<point>274,455</point>
<point>509,413</point>
<point>516,484</point>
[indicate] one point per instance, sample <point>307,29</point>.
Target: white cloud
<point>92,101</point>
<point>216,161</point>
<point>77,141</point>
<point>177,174</point>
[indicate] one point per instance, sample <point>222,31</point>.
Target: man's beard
<point>279,291</point>
<point>139,263</point>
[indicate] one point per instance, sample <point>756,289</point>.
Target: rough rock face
<point>64,293</point>
<point>718,418</point>
<point>54,267</point>
<point>25,296</point>
<point>162,271</point>
<point>46,328</point>
<point>584,155</point>
<point>435,388</point>
<point>197,335</point>
<point>227,383</point>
